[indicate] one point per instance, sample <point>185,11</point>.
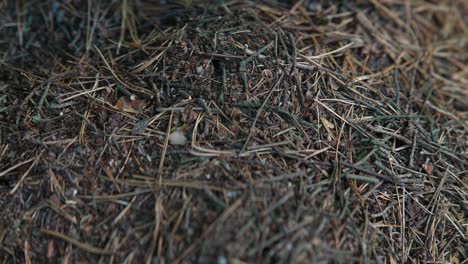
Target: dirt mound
<point>233,132</point>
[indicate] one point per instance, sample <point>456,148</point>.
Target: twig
<point>397,87</point>
<point>243,64</point>
<point>278,110</point>
<point>259,112</point>
<point>81,245</point>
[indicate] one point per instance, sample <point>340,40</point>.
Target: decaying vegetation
<point>233,131</point>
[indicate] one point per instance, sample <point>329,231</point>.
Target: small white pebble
<point>177,138</point>
<point>199,69</point>
<point>222,260</point>
<point>232,194</point>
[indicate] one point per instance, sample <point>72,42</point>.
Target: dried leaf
<point>428,168</point>
<point>88,229</point>
<point>50,249</point>
<point>189,116</point>
<point>454,259</point>
<point>55,200</point>
<point>327,123</point>
<point>235,113</point>
<point>131,105</point>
